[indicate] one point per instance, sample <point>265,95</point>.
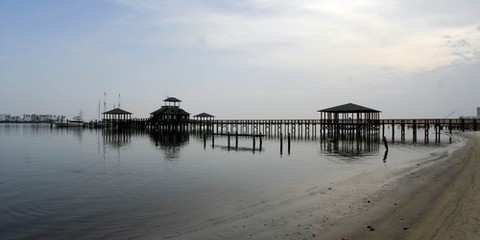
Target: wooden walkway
<point>313,128</point>
<point>345,129</point>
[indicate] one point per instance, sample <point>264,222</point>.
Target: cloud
<point>311,35</point>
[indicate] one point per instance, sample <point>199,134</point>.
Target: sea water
<point>58,183</point>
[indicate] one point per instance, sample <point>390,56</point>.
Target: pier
<point>315,128</point>
<point>344,122</point>
<point>318,128</point>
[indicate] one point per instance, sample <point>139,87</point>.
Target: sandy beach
<point>440,201</point>
<point>433,198</point>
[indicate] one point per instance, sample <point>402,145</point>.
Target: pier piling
<point>288,140</point>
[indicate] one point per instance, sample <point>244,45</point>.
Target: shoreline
<point>446,204</point>
<point>418,199</point>
<point>438,199</point>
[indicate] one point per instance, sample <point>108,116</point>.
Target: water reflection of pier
<point>170,142</point>
<point>350,148</point>
<point>116,138</point>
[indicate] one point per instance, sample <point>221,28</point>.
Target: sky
<point>240,59</point>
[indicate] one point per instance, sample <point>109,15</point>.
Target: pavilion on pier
<point>349,121</point>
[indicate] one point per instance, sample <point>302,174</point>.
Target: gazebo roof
<point>117,111</point>
<point>348,108</point>
<point>170,111</point>
<point>176,111</point>
<point>204,115</point>
<point>172,99</point>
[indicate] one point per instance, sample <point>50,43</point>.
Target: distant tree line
<point>31,118</point>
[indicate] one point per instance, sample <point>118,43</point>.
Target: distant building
<point>170,113</point>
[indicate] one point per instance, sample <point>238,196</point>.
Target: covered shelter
<point>349,113</point>
<point>170,113</point>
<point>204,121</point>
<point>116,115</point>
<point>202,117</point>
<point>350,121</point>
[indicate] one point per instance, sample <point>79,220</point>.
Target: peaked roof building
<point>170,113</point>
<point>349,112</point>
<point>117,111</point>
<point>349,108</point>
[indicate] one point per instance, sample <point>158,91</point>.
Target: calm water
<point>94,184</point>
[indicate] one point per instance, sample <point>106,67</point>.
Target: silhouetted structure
<point>202,122</point>
<point>203,117</point>
<point>170,115</point>
<point>349,121</point>
<point>344,122</point>
<point>117,118</point>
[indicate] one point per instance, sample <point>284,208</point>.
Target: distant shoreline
<point>22,122</point>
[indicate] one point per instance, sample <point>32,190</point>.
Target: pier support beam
<point>414,129</point>
<point>427,128</point>
<point>393,131</point>
<point>402,131</point>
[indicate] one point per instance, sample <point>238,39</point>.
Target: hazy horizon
<point>240,59</point>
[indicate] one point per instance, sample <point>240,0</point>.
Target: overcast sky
<point>242,58</point>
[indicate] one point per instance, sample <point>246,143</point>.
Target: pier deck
<point>324,128</point>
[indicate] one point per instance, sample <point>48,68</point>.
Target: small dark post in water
<point>383,128</point>
<point>236,140</point>
<point>414,128</point>
<point>450,126</point>
<point>288,140</point>
<point>402,131</point>
<point>260,141</point>
<point>393,131</point>
<point>385,142</point>
<point>427,128</point>
<point>204,141</point>
<point>213,140</point>
<point>281,143</point>
<point>450,129</point>
<point>228,137</point>
<point>385,155</point>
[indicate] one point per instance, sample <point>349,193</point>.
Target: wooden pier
<point>315,128</point>
<point>344,122</point>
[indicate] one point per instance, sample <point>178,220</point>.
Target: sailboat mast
<point>99,110</point>
<point>104,101</point>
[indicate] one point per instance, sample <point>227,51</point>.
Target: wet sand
<point>434,198</point>
<point>441,201</point>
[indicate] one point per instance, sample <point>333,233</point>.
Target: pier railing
<point>325,128</point>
